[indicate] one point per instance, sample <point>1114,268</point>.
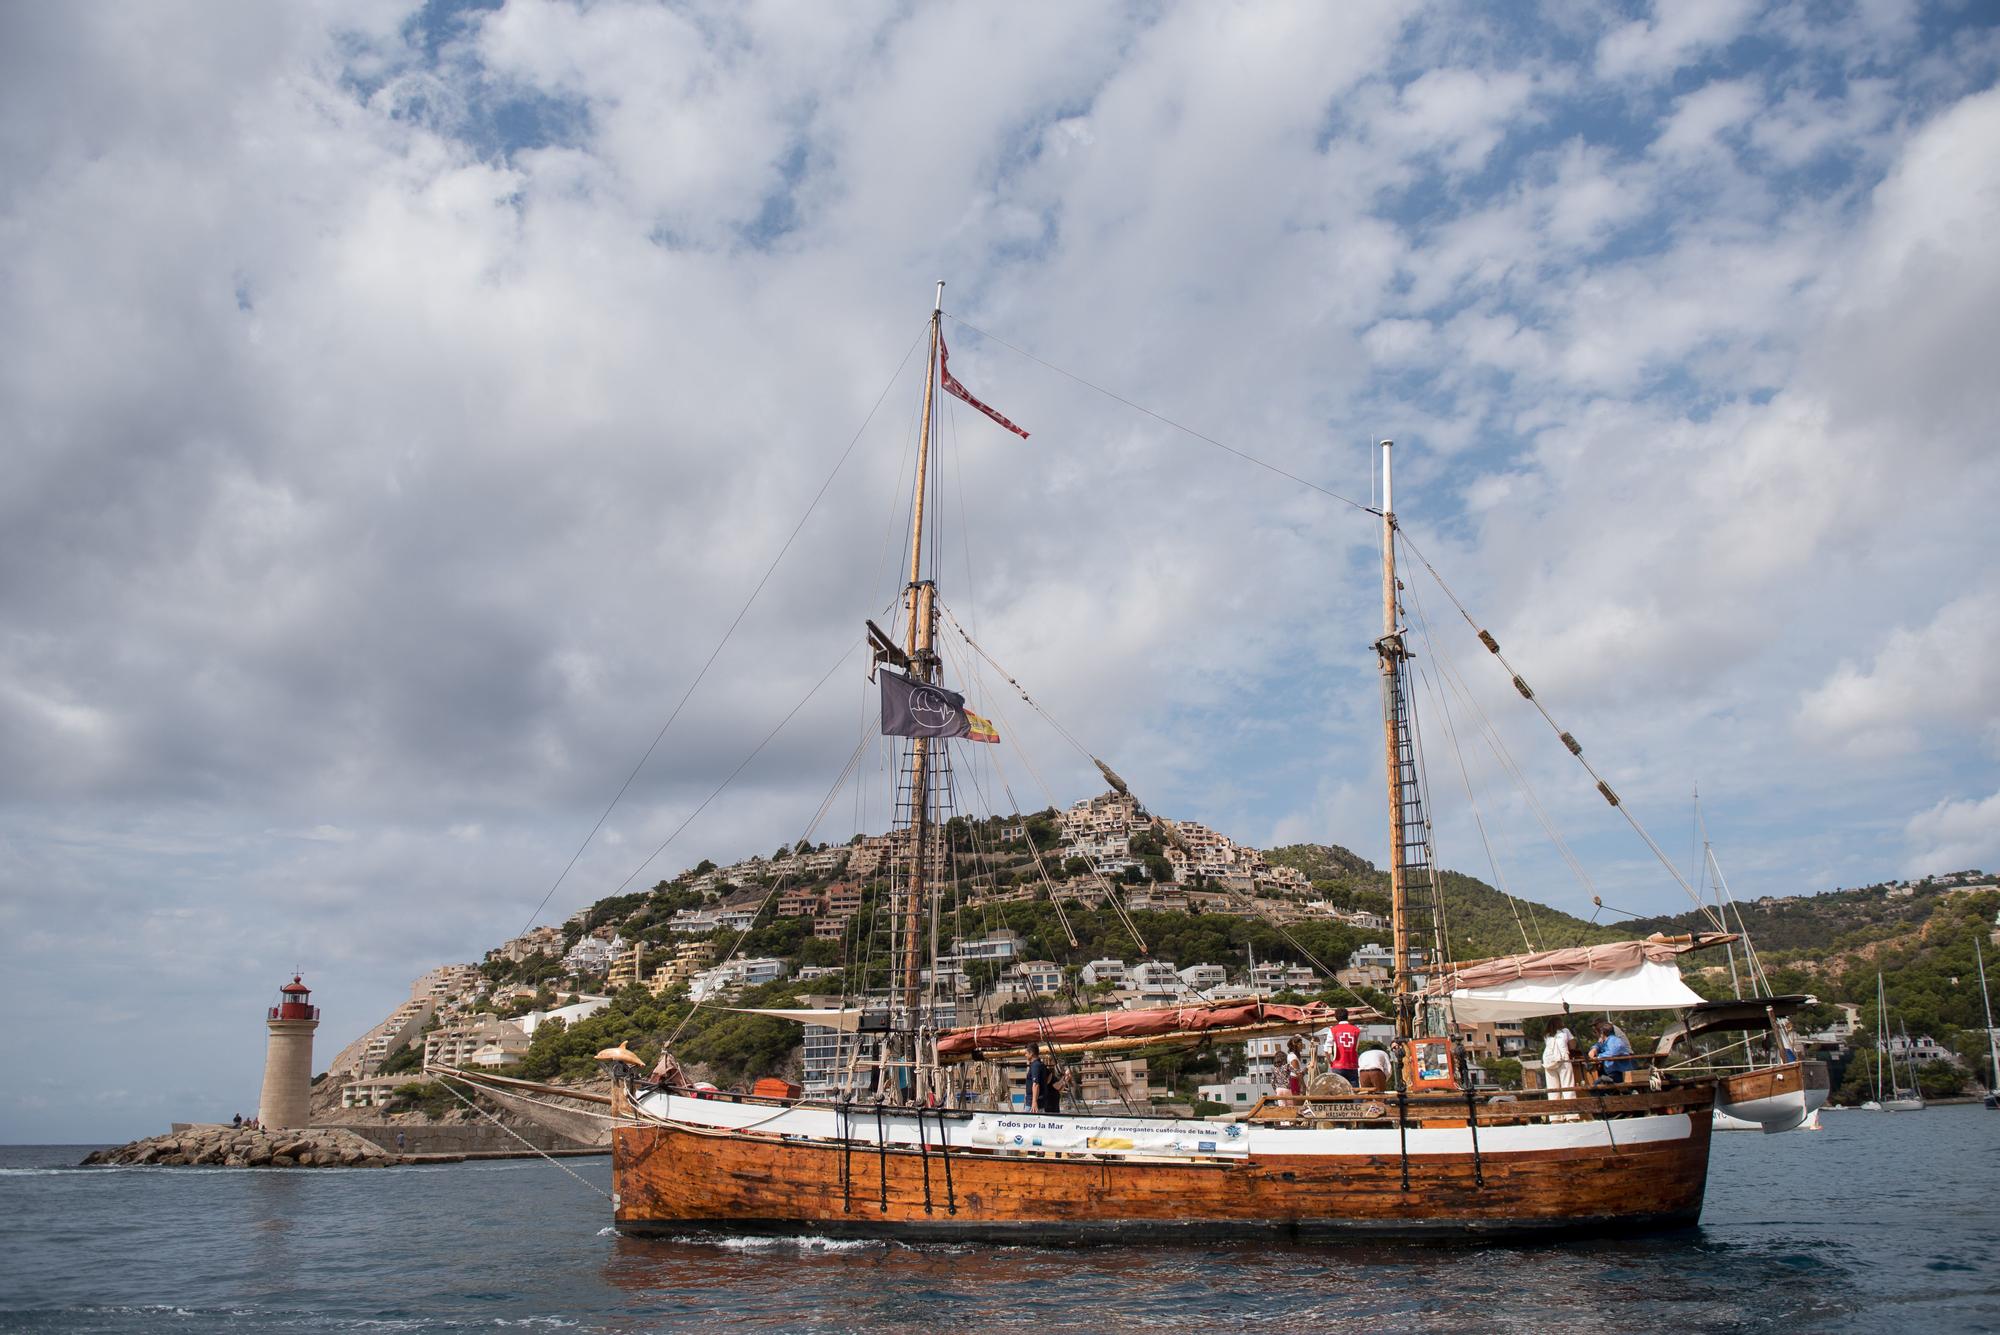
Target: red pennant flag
<point>956,390</point>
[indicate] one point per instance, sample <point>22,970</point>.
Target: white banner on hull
<point>1109,1135</point>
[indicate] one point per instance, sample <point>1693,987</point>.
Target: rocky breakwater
<point>246,1147</point>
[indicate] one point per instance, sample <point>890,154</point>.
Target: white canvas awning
<point>1646,986</point>
<point>846,1020</point>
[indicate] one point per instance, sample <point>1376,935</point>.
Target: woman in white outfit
<point>1557,1064</point>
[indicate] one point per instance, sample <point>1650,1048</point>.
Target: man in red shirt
<point>1344,1044</point>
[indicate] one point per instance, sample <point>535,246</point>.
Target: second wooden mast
<point>920,628</point>
<point>1392,652</point>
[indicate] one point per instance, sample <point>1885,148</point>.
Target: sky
<point>400,403</point>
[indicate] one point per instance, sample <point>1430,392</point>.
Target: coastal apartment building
<point>868,857</point>
<point>1108,816</point>
<point>1160,897</point>
<point>1103,971</point>
<point>403,1025</point>
<point>689,958</point>
<point>1285,878</point>
<point>820,863</point>
<point>1920,1048</point>
<point>1203,977</point>
<point>448,982</point>
<point>1156,981</point>
<point>1030,978</point>
<point>1201,849</point>
<point>372,1091</point>
<point>593,953</point>
<point>736,976</point>
<point>540,941</point>
<point>580,1009</point>
<point>1276,977</point>
<point>702,921</point>
<point>1486,1041</point>
<point>1374,965</point>
<point>801,902</point>
<point>486,1042</point>
<point>1241,1092</point>
<point>996,947</point>
<point>625,968</point>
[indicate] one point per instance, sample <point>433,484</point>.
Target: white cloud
<point>1945,674</point>
<point>1953,836</point>
<point>1679,32</point>
<point>1700,118</point>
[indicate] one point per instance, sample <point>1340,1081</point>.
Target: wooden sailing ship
<point>902,1154</point>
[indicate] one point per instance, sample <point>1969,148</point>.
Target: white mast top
<point>1388,506</point>
<point>940,298</point>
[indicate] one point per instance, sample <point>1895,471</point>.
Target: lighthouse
<point>288,1058</point>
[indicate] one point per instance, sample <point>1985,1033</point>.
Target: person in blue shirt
<point>1613,1055</point>
<point>1044,1085</point>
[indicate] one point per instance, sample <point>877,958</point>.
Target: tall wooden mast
<point>920,606</point>
<point>1391,651</point>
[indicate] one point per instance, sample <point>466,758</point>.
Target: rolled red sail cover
<point>1128,1024</point>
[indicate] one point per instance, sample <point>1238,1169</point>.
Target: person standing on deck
<point>1558,1065</point>
<point>1043,1086</point>
<point>1344,1042</point>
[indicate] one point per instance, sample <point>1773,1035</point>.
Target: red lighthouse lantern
<point>294,1002</point>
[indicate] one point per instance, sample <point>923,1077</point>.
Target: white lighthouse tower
<point>287,1096</point>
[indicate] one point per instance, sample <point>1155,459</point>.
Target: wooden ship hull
<point>1629,1161</point>
<point>1772,1098</point>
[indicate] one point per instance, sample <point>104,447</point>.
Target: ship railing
<point>1487,1106</point>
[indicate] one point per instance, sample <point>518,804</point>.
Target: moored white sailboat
<point>1891,1095</point>
<point>1778,1089</point>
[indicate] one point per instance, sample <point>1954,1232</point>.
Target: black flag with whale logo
<point>914,709</point>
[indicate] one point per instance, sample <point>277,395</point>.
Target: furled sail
<point>1615,976</point>
<point>1215,1019</point>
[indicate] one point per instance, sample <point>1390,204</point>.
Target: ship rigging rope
<point>1520,683</point>
<point>1249,901</point>
<point>1569,742</point>
<point>1041,868</point>
<point>1448,671</point>
<point>826,804</point>
<point>744,764</point>
<point>446,1083</point>
<point>728,634</point>
<point>1163,418</point>
<point>1465,776</point>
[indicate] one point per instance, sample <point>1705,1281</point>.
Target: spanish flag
<point>982,729</point>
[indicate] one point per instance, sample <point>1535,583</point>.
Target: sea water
<point>1881,1221</point>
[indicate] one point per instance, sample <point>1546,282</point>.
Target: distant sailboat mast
<point>1992,1044</point>
<point>1881,1036</point>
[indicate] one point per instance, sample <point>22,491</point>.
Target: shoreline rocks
<point>247,1147</point>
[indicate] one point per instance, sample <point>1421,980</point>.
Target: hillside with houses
<point>1102,905</point>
